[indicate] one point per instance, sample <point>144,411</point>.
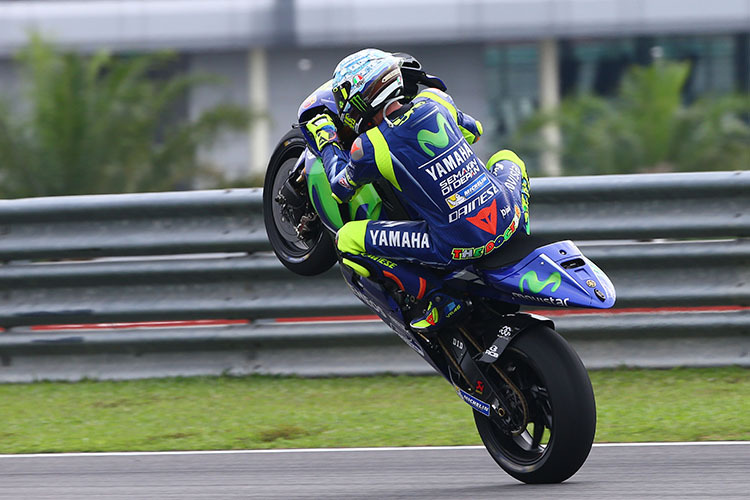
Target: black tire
<point>307,257</point>
<point>560,399</point>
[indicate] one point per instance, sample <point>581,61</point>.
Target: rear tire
<point>560,400</point>
<point>307,257</point>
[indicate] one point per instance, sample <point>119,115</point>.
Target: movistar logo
<point>536,286</point>
<point>437,139</point>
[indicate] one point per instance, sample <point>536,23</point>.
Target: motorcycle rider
<point>460,210</point>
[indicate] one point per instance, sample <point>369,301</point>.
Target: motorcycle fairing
<point>365,204</point>
<point>321,97</point>
<point>377,298</point>
<point>557,275</point>
<point>319,189</point>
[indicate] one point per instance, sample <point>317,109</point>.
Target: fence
<point>677,247</point>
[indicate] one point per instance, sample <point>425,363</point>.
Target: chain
<point>454,362</point>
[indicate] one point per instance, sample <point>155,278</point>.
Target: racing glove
<point>343,187</point>
<point>323,130</point>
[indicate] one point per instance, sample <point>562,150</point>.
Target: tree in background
<point>98,124</point>
<point>647,128</point>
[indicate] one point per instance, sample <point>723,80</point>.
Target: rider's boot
<point>416,282</point>
<point>441,310</point>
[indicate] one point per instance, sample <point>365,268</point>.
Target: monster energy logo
<point>437,139</point>
<point>536,286</point>
<point>358,102</point>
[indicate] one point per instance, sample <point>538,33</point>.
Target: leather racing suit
<point>461,210</point>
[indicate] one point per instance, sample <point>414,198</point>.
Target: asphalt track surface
<point>685,471</point>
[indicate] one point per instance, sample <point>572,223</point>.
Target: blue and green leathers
<point>366,204</point>
<point>427,138</point>
<point>507,158</point>
<point>459,209</point>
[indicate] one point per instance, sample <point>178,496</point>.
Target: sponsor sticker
<point>542,300</point>
<point>492,351</point>
<point>536,285</point>
<point>460,176</point>
<point>486,218</point>
<point>400,239</point>
<point>505,211</point>
<point>514,178</point>
<point>309,101</point>
<point>346,181</point>
<point>477,252</point>
<point>455,200</point>
<point>452,159</point>
<point>475,186</point>
<point>381,260</point>
<point>468,208</point>
<point>475,403</point>
<point>390,75</point>
<point>461,196</point>
<point>430,141</point>
<point>356,152</point>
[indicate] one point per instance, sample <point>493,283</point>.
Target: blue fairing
<point>383,305</point>
<point>321,98</point>
<point>556,275</point>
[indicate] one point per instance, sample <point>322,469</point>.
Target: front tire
<point>561,408</point>
<point>312,255</point>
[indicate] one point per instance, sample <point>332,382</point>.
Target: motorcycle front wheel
<point>315,253</point>
<point>561,410</point>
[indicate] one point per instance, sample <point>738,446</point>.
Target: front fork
<point>295,202</point>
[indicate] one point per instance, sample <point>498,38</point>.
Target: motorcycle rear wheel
<point>562,410</point>
<point>307,257</point>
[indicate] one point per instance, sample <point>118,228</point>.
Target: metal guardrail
<point>78,227</point>
<point>363,348</point>
<point>666,240</point>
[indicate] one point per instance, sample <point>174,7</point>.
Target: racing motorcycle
<point>531,396</point>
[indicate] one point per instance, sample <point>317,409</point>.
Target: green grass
<point>269,412</point>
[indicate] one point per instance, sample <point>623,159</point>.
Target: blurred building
<point>500,58</point>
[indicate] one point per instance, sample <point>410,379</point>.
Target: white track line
<point>339,450</point>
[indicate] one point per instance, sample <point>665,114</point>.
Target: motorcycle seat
<point>515,249</point>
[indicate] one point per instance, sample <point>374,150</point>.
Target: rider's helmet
<point>363,83</point>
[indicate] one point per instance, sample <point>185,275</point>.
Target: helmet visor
<point>348,112</point>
